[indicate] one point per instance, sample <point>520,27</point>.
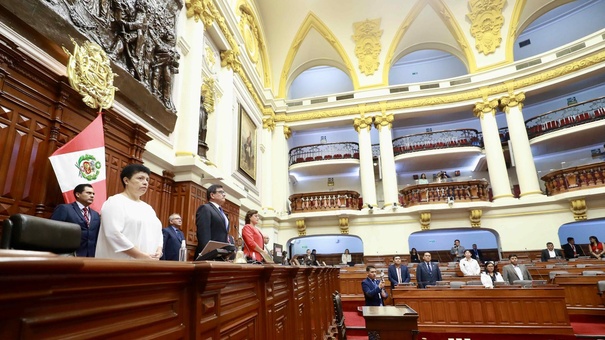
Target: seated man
<point>571,250</point>
<point>398,273</point>
<point>550,253</point>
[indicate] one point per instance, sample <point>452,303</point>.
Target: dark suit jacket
<point>545,255</point>
<point>210,223</point>
<point>476,253</point>
<point>72,213</point>
<point>568,251</point>
<point>405,275</point>
<point>424,277</point>
<point>510,275</point>
<point>371,292</point>
<point>172,243</point>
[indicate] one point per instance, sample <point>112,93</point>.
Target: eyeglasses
<point>221,192</point>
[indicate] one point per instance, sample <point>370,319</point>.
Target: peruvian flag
<point>82,161</point>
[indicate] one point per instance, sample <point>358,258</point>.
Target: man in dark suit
<point>373,289</point>
<point>551,253</point>
<point>571,250</point>
<point>476,253</point>
<point>210,219</point>
<point>79,212</point>
<point>173,237</point>
<point>397,273</point>
<point>427,273</point>
<point>513,271</point>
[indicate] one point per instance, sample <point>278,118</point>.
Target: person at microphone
<point>373,289</point>
<point>457,251</point>
<point>468,265</point>
<point>550,253</point>
<point>427,273</point>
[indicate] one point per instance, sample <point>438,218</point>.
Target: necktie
<point>85,213</point>
<point>428,265</point>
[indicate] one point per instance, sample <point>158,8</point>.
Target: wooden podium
<point>392,322</point>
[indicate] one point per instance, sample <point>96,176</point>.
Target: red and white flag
<point>82,160</point>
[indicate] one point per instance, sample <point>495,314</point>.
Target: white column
<point>366,167</point>
<point>266,169</point>
<point>524,160</point>
<point>188,122</point>
<point>281,191</point>
<point>387,159</point>
<point>498,176</point>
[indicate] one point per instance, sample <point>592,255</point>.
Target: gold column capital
<point>269,123</point>
<point>287,132</point>
<point>302,228</point>
<point>343,223</point>
<point>475,218</point>
<point>229,59</point>
<point>511,101</point>
<point>384,120</point>
<point>579,209</point>
<point>485,107</point>
<point>362,123</point>
<point>425,220</point>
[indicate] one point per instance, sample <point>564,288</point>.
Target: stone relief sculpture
<point>138,35</point>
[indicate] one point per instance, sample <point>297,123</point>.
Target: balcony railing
<point>575,178</point>
<point>324,201</point>
<point>436,140</point>
<point>320,152</point>
<point>434,193</point>
<point>569,116</point>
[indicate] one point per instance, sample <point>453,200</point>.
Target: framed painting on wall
<point>247,145</point>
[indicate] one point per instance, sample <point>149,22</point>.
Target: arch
<point>438,6</point>
<point>314,63</point>
<point>313,22</point>
<point>334,243</point>
<point>443,239</point>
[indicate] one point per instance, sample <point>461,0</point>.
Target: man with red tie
<point>80,213</point>
<point>571,250</point>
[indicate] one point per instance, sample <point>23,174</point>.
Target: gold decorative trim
<point>248,27</point>
<point>579,209</point>
<point>513,30</point>
<point>89,72</point>
<point>302,228</point>
<point>475,218</point>
<point>384,120</point>
<point>269,123</point>
<point>184,154</point>
<point>229,59</point>
<point>201,10</point>
<point>485,107</point>
<point>362,123</point>
<point>287,132</point>
<point>343,223</point>
<point>312,21</point>
<point>511,101</point>
<point>367,44</point>
<point>486,24</point>
<point>209,93</point>
<point>425,220</point>
<point>456,31</point>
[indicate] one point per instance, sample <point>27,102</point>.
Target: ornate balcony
<point>575,178</point>
<point>568,116</point>
<point>436,140</point>
<point>320,152</point>
<point>434,193</point>
<point>325,201</point>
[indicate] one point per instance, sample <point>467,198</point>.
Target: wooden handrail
<point>324,201</point>
<point>433,193</point>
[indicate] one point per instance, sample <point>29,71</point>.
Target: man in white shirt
<point>551,253</point>
<point>398,273</point>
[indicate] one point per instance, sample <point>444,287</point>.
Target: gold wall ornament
<point>362,123</point>
<point>249,29</point>
<point>209,94</point>
<point>367,45</point>
<point>343,223</point>
<point>511,101</point>
<point>485,107</point>
<point>385,120</point>
<point>302,228</point>
<point>579,209</point>
<point>210,57</point>
<point>269,123</point>
<point>89,73</point>
<point>201,10</point>
<point>230,61</point>
<point>287,132</point>
<point>486,24</point>
<point>475,218</point>
<point>425,220</point>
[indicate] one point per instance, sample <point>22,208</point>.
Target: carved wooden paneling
<point>582,294</point>
<point>480,310</point>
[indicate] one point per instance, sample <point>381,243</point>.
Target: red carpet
<point>584,326</point>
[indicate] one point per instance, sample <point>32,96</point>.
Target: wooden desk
<point>499,311</point>
<point>392,322</point>
<point>582,294</point>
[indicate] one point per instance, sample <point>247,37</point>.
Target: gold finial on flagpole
<point>89,73</point>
